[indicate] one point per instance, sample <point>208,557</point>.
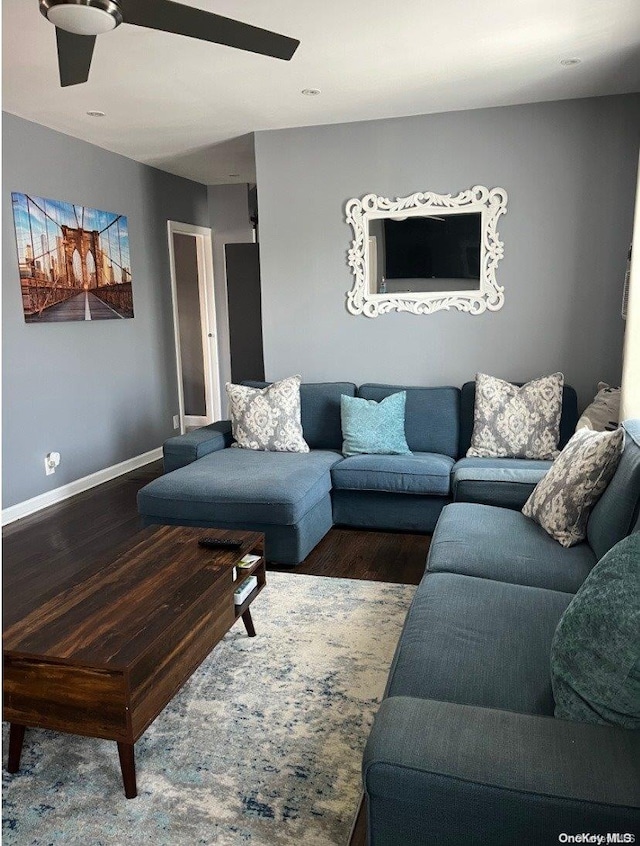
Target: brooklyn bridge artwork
<point>74,261</point>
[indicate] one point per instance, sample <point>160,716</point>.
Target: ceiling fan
<point>78,22</point>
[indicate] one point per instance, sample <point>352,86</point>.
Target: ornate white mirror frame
<point>489,202</point>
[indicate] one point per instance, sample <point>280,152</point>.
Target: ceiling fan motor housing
<point>79,22</point>
<point>83,17</point>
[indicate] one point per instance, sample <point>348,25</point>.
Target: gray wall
<point>98,392</point>
<point>230,224</point>
<point>569,169</point>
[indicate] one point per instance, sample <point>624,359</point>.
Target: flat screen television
<point>438,247</point>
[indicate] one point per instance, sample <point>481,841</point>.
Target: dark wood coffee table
<point>103,653</point>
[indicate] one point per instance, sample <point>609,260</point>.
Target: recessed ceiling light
<point>95,113</point>
<point>310,92</point>
<point>569,63</point>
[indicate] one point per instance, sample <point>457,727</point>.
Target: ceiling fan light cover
<point>82,17</point>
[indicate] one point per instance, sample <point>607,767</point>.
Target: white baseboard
<point>37,503</point>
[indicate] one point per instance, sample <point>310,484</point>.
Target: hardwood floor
<point>47,548</point>
<point>375,556</point>
<point>88,528</point>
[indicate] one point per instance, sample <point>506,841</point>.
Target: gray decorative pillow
<point>513,422</point>
<point>267,418</point>
<point>595,653</point>
<point>604,412</point>
<point>563,498</point>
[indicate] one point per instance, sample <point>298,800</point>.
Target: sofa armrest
<point>440,772</point>
<point>184,449</point>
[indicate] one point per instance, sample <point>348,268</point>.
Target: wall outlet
<point>176,421</point>
<point>51,461</point>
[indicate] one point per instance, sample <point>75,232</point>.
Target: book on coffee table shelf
<point>247,561</point>
<point>243,590</point>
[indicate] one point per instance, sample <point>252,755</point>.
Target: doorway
<point>194,322</point>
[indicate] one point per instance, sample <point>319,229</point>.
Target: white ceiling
<point>188,106</point>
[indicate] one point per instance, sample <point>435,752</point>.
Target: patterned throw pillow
<point>513,422</point>
<point>267,418</point>
<point>374,428</point>
<point>604,412</point>
<point>595,652</point>
<point>563,498</point>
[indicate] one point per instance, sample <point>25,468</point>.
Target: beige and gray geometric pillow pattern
<point>563,498</point>
<point>513,422</point>
<point>267,418</point>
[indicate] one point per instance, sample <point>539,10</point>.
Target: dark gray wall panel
<point>245,311</point>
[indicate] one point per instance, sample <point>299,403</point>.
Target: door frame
<point>210,350</point>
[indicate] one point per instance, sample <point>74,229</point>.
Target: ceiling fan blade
<point>196,23</point>
<point>74,56</point>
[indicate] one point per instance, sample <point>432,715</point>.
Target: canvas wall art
<point>74,261</point>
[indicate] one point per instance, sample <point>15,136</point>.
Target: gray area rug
<point>262,746</point>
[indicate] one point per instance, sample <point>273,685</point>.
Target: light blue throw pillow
<point>373,427</point>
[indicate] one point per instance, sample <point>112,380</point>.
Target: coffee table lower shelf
<point>187,609</point>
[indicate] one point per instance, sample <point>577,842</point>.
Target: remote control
<point>219,543</point>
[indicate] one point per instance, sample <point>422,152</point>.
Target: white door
<point>194,324</point>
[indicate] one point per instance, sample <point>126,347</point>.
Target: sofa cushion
<point>478,642</point>
<point>511,421</point>
<point>431,421</point>
<point>418,473</point>
<point>504,545</point>
<point>568,418</point>
<point>373,428</point>
<point>320,411</point>
<point>563,498</point>
<point>595,655</point>
<point>618,509</point>
<point>243,486</point>
<point>507,482</point>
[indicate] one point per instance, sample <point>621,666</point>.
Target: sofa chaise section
<point>210,483</point>
<point>284,495</point>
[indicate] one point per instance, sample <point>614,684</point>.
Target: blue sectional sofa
<point>465,748</point>
<point>296,498</point>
